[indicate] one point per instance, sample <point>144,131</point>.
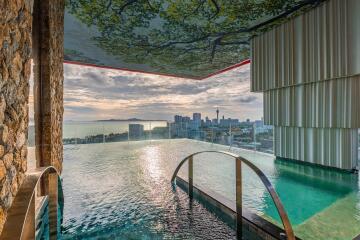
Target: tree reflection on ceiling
<point>187,38</point>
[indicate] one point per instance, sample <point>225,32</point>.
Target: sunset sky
<point>95,93</point>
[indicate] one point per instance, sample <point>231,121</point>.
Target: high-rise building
<point>178,118</point>
<point>186,119</point>
<point>196,120</point>
<point>136,131</point>
<point>217,116</point>
<point>207,121</point>
<point>259,123</point>
<point>229,122</point>
<point>197,116</point>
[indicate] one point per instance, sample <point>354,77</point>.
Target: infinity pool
<point>122,191</point>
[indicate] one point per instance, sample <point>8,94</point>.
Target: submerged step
<point>254,226</point>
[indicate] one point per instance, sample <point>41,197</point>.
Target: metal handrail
<point>280,208</point>
<point>20,223</point>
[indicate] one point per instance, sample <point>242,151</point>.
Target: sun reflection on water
<point>151,161</point>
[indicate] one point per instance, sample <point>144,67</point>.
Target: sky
<point>95,93</point>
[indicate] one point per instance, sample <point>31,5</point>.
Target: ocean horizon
<point>81,129</point>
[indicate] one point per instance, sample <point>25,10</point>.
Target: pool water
<point>122,191</point>
<point>305,195</point>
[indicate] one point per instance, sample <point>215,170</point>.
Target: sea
<point>77,129</point>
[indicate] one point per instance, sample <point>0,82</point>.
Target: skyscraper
<point>197,116</point>
<point>197,120</point>
<point>217,115</point>
<point>178,119</point>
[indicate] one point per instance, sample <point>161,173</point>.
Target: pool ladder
<point>21,217</point>
<point>289,233</point>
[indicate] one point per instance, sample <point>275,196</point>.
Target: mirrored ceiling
<point>184,38</point>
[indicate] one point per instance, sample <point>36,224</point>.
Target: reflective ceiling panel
<point>186,38</point>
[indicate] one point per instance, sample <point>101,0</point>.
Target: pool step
<point>338,221</point>
<point>254,226</point>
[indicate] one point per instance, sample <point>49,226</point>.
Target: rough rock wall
<point>16,48</point>
<point>15,54</point>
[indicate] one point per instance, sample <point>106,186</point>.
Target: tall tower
<point>217,115</point>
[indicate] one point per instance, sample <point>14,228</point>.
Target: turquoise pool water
<point>306,190</point>
<point>123,191</point>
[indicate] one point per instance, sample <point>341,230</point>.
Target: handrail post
<point>238,199</point>
<point>191,175</point>
<point>53,205</point>
<point>239,160</point>
<point>21,221</point>
<point>29,226</point>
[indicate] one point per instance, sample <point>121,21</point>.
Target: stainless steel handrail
<point>280,208</point>
<point>20,223</point>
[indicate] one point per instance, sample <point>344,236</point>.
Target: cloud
<point>95,93</point>
<point>247,99</point>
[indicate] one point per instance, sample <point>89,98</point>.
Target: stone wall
<point>18,44</point>
<point>15,54</point>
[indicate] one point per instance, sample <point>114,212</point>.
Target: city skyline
<point>190,116</point>
<point>95,93</point>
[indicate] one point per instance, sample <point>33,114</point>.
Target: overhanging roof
<point>185,38</point>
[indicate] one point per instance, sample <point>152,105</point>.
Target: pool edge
<point>223,209</point>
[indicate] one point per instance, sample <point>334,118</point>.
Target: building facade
<point>309,71</point>
<point>136,131</point>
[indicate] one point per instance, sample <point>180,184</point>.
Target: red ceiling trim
<point>247,61</point>
<point>160,74</point>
